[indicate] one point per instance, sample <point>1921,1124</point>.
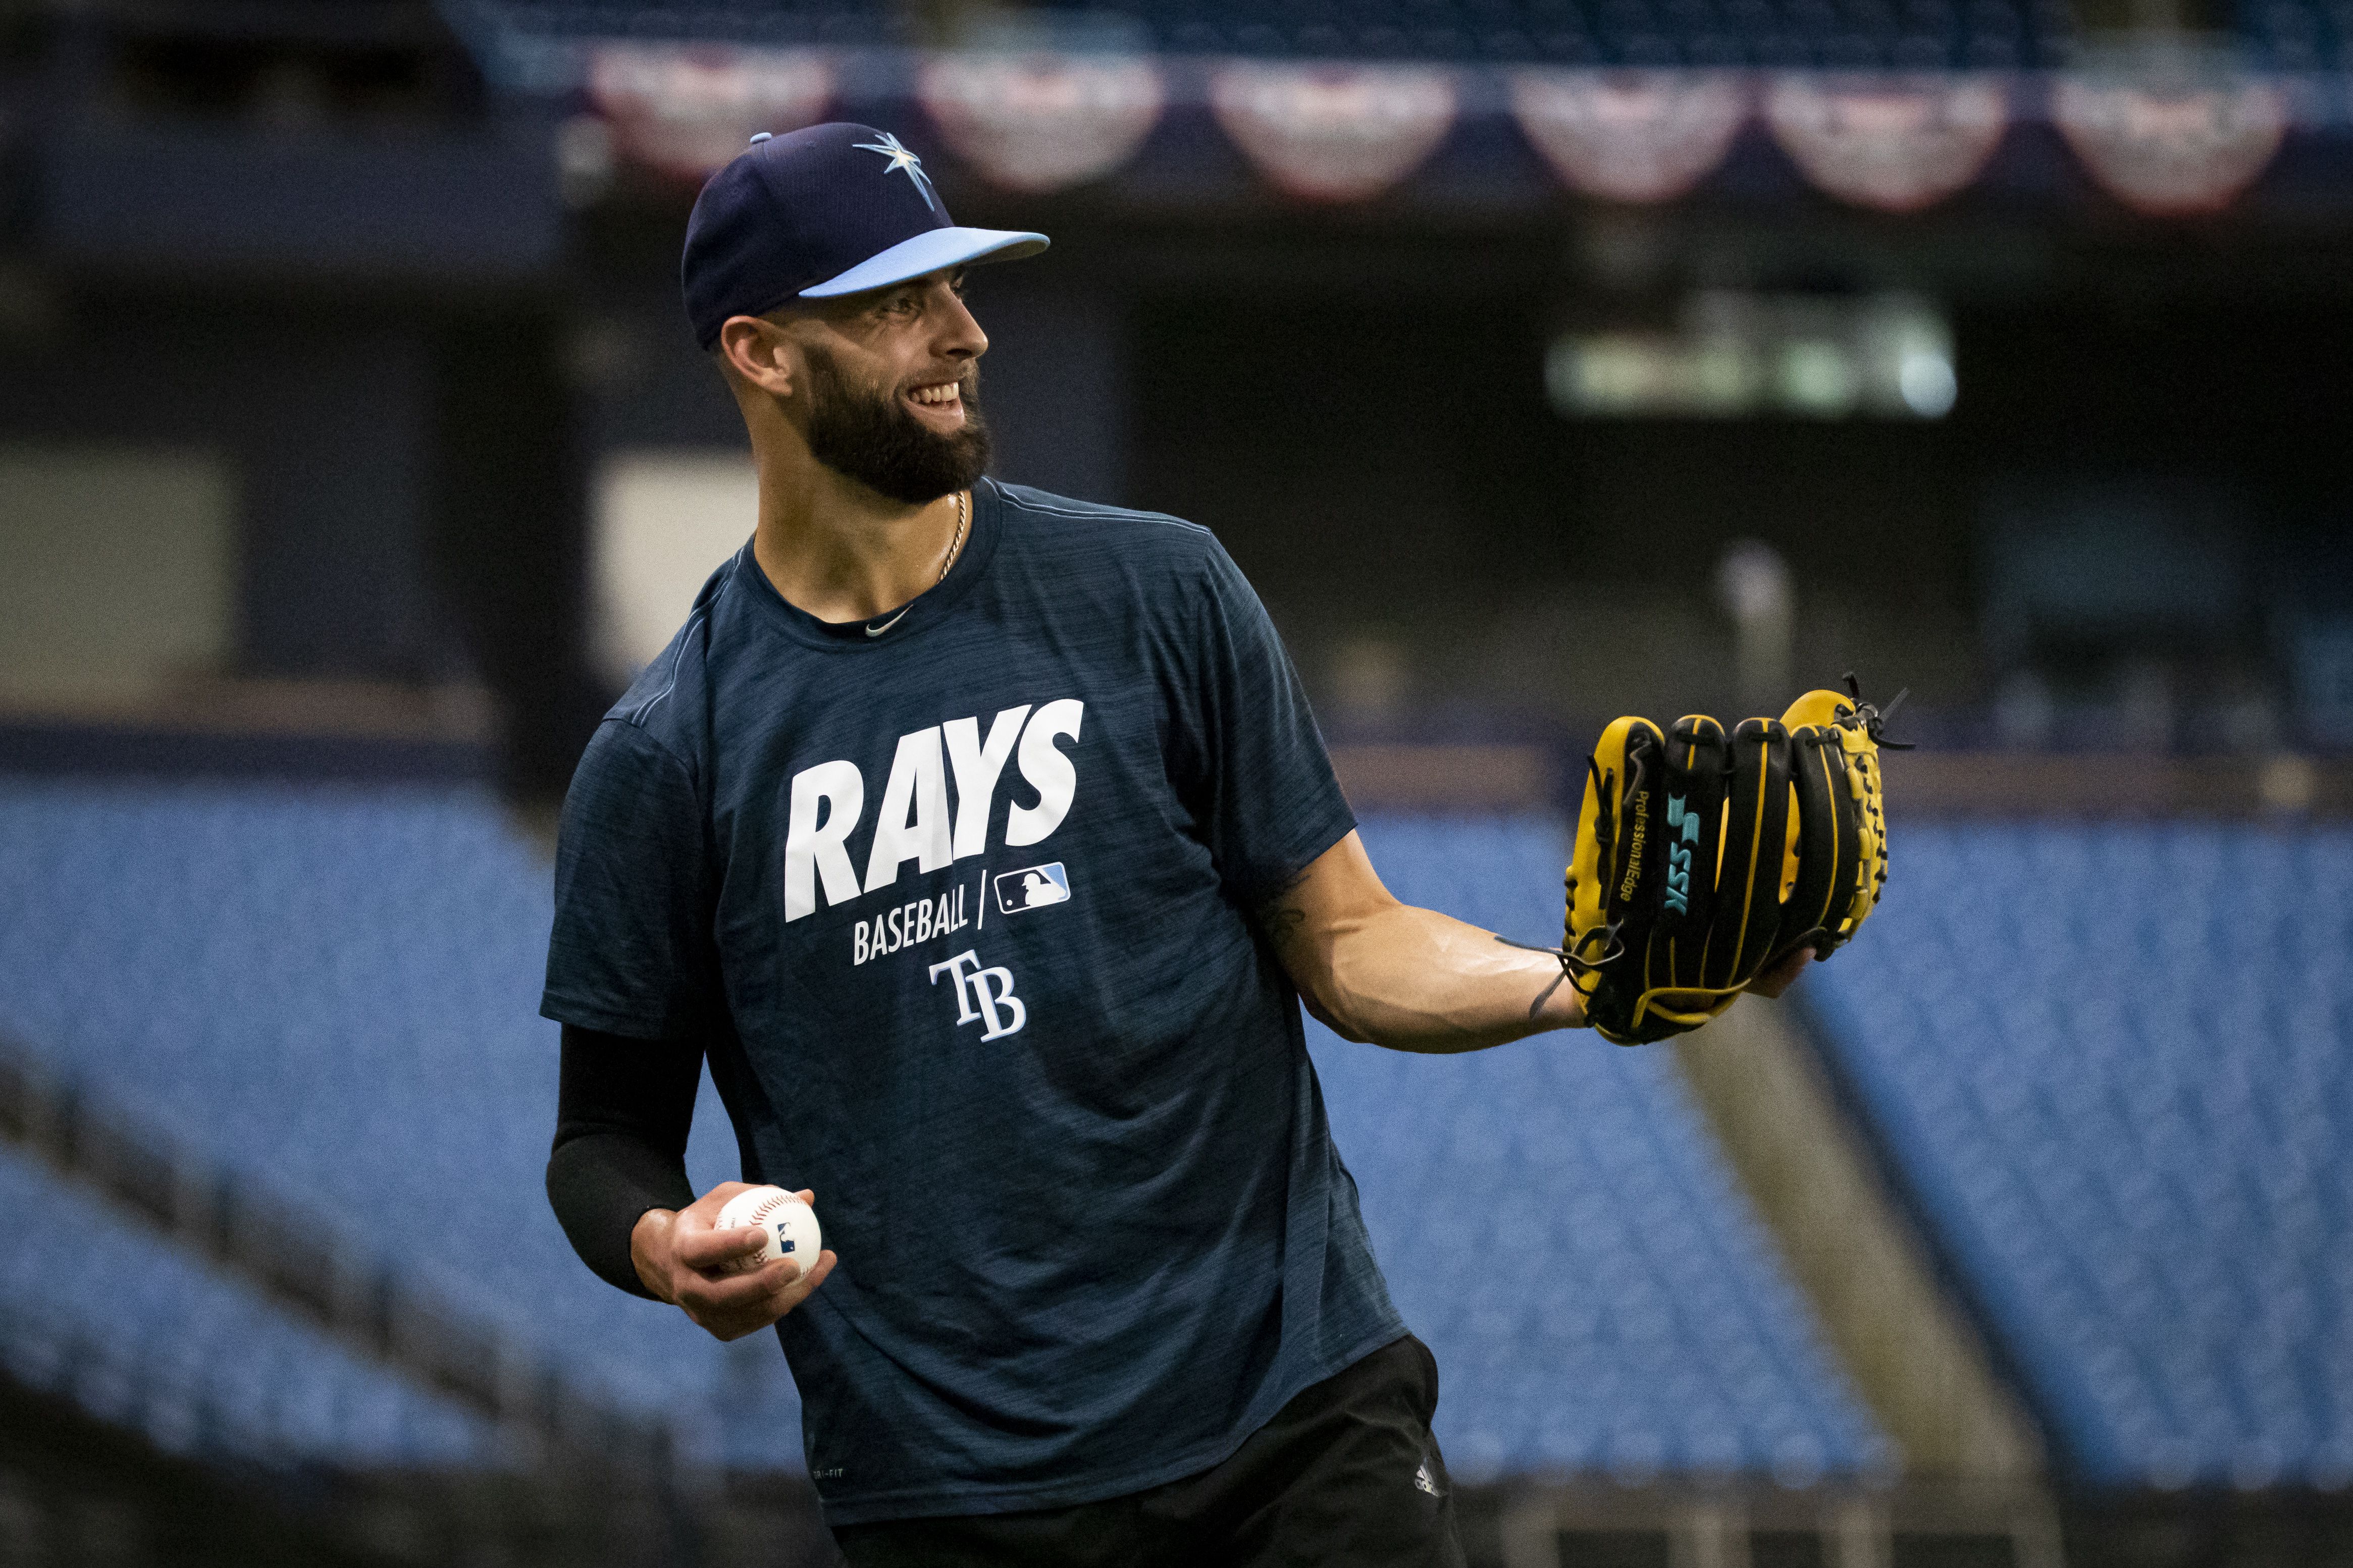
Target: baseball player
<point>983,844</point>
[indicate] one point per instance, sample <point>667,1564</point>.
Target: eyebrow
<point>917,286</point>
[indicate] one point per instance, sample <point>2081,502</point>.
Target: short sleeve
<point>1249,761</point>
<point>632,953</point>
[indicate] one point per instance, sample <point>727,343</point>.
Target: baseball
<point>790,1224</point>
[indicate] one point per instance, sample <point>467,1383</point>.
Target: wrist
<point>1564,1009</point>
<point>648,1246</point>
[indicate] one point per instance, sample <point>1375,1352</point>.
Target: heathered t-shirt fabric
<point>958,908</point>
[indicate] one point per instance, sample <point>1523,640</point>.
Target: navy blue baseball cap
<point>826,210</point>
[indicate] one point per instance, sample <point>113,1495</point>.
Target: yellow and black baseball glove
<point>1704,858</point>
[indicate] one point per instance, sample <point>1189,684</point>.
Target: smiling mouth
<point>941,394</point>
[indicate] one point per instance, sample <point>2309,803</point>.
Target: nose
<point>961,337</point>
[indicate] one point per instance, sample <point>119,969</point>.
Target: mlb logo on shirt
<point>1032,888</point>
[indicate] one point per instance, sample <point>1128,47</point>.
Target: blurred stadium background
<point>1540,360</point>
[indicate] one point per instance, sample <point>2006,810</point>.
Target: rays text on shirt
<point>913,822</point>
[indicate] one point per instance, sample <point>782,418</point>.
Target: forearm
<point>600,1186</point>
<point>623,1109</point>
<point>1414,980</point>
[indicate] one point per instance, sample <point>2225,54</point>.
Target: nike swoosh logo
<point>875,631</point>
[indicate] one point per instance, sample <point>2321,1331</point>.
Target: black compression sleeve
<point>622,1112</point>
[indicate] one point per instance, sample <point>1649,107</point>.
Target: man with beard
<point>983,844</point>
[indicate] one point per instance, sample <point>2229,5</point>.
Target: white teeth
<point>946,392</point>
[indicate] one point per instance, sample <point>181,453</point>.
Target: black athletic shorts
<point>1345,1473</point>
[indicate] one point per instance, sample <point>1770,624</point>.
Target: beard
<point>865,434</point>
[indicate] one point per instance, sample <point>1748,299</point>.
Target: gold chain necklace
<point>963,502</point>
<point>964,515</point>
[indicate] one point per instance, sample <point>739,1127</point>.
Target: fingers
<point>722,1249</point>
<point>1782,973</point>
<point>705,1295</point>
<point>714,1281</point>
<point>799,1289</point>
<point>699,1245</point>
<point>725,1291</point>
<point>704,1210</point>
<point>741,1304</point>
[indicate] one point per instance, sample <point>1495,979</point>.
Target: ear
<point>758,353</point>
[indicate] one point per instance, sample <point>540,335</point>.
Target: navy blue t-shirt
<point>958,907</point>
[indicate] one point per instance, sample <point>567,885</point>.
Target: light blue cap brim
<point>928,252</point>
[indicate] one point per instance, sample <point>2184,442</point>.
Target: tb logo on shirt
<point>981,993</point>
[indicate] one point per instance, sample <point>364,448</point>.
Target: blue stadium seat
<point>1908,35</point>
<point>2120,1078</point>
<point>336,989</point>
<point>2298,35</point>
<point>94,1308</point>
<point>1555,1220</point>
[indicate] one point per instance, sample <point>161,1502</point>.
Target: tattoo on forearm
<point>1277,915</point>
<point>1545,995</point>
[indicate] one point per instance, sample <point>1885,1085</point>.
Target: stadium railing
<point>306,1262</point>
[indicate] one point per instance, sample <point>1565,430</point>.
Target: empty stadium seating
<point>2298,35</point>
<point>1913,35</point>
<point>335,989</point>
<point>2290,35</point>
<point>1554,1219</point>
<point>94,1307</point>
<point>2116,1065</point>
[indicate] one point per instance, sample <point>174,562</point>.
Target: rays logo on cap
<point>904,160</point>
<point>802,215</point>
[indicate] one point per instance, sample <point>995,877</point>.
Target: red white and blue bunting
<point>1337,134</point>
<point>1896,145</point>
<point>1631,136</point>
<point>2172,150</point>
<point>1344,133</point>
<point>1041,123</point>
<point>686,111</point>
